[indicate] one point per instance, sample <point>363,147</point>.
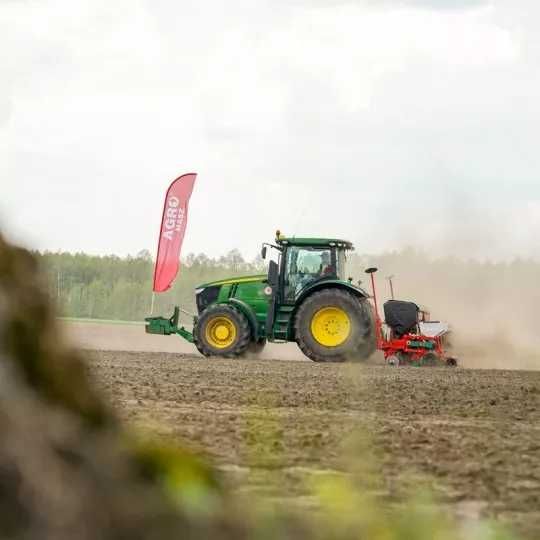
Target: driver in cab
<point>326,267</point>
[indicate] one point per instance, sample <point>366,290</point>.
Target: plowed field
<point>271,425</point>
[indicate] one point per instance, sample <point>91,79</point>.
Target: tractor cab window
<point>341,262</point>
<point>304,265</point>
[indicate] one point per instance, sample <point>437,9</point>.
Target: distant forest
<point>111,287</point>
<point>480,298</point>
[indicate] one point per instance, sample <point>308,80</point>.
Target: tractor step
<point>281,324</point>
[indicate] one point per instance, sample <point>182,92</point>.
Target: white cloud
<point>320,118</point>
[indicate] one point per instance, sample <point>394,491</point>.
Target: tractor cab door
<point>303,266</point>
<point>273,282</point>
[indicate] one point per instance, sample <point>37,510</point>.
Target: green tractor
<point>305,298</point>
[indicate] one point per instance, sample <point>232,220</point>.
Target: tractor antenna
<point>390,278</point>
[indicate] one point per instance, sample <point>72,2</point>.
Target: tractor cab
<point>308,262</point>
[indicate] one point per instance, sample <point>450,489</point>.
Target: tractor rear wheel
<point>333,325</point>
<point>222,330</point>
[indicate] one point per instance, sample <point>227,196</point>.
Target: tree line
<point>485,297</point>
<point>120,288</point>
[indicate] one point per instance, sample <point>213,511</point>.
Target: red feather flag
<point>173,228</point>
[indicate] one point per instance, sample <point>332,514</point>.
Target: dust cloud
<point>492,307</point>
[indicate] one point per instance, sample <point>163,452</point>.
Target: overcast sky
<point>390,123</point>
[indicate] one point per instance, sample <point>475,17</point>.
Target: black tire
<point>369,345</point>
<point>360,342</point>
<point>392,360</point>
<point>242,331</point>
<point>256,347</point>
<point>451,361</point>
<point>199,348</point>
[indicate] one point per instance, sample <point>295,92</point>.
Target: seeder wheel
<point>430,360</point>
<point>393,360</point>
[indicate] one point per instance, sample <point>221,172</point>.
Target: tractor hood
<point>248,289</point>
<point>232,281</point>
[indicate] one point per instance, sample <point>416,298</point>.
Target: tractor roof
<point>231,281</point>
<point>314,242</point>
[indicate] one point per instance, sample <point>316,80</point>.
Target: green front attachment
<point>166,327</point>
<point>420,344</point>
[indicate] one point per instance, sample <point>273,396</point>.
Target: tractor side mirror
<point>263,252</point>
<point>370,270</point>
<point>273,274</point>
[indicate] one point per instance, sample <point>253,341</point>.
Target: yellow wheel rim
<point>330,326</point>
<point>220,332</point>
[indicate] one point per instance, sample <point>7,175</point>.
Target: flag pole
<point>152,303</point>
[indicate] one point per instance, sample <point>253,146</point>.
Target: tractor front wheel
<point>333,325</point>
<point>222,330</point>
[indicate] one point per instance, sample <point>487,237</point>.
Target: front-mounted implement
<point>166,327</point>
<point>305,298</point>
<point>407,336</point>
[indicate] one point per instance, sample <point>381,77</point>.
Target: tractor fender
<point>249,313</point>
<point>325,284</point>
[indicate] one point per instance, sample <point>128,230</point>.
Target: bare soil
<point>272,425</point>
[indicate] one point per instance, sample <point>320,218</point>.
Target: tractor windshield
<point>304,265</point>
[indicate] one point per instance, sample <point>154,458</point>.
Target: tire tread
<point>363,347</point>
<point>244,331</point>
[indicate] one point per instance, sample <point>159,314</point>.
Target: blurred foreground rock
<point>67,470</point>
